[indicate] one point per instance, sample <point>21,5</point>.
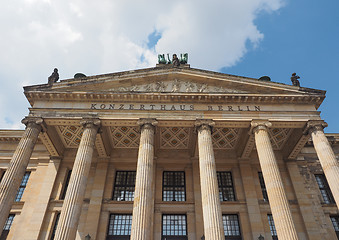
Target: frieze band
<point>172,107</point>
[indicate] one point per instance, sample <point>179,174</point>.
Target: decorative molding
<point>314,125</point>
<point>279,136</point>
<point>125,137</point>
<point>70,135</point>
<point>299,146</point>
<point>174,137</point>
<point>100,146</point>
<point>176,86</point>
<point>249,147</point>
<point>46,140</point>
<point>225,138</point>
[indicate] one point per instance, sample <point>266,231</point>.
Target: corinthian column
<point>143,196</point>
<point>71,208</point>
<point>17,166</point>
<point>211,210</point>
<point>326,156</point>
<point>275,189</point>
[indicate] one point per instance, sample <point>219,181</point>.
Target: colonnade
<point>144,195</point>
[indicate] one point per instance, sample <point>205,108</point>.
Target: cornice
<point>174,97</point>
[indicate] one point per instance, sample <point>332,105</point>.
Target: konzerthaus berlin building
<point>170,152</point>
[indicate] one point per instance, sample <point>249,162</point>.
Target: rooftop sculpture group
<point>175,61</point>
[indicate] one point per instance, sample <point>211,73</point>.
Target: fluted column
<point>142,207</point>
<point>275,190</point>
<point>71,207</point>
<point>17,166</point>
<point>211,210</point>
<point>326,156</point>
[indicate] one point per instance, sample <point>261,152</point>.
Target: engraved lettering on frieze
<point>172,107</point>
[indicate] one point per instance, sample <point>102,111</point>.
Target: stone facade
<point>169,153</point>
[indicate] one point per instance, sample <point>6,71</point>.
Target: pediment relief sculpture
<point>175,86</point>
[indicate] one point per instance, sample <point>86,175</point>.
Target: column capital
<point>90,123</point>
<point>33,122</point>
<point>149,123</point>
<point>203,124</point>
<point>259,125</point>
<point>314,125</point>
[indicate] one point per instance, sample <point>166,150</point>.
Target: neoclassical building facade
<point>170,152</point>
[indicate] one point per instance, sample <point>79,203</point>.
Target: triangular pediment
<point>172,81</point>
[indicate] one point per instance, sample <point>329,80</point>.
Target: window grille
<point>231,226</point>
<point>263,186</point>
<point>22,187</point>
<point>64,190</point>
<point>226,189</point>
<point>174,227</point>
<point>272,227</point>
<point>124,186</point>
<point>7,226</point>
<point>324,188</point>
<point>56,221</point>
<point>335,222</point>
<point>173,186</point>
<point>119,227</point>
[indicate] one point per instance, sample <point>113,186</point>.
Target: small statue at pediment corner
<point>175,61</point>
<point>54,77</point>
<point>294,80</point>
<point>161,59</point>
<point>184,58</point>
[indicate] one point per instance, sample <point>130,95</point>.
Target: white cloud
<point>97,37</point>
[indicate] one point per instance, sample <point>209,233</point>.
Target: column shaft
<point>71,207</point>
<point>327,160</point>
<point>143,196</point>
<point>17,167</point>
<point>275,190</point>
<point>213,228</point>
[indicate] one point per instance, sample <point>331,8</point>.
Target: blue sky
<point>245,37</point>
<point>301,37</point>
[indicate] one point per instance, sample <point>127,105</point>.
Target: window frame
<point>55,225</point>
<point>263,187</point>
<point>232,237</point>
<point>174,237</point>
<point>271,224</point>
<point>325,191</point>
<point>174,186</point>
<point>335,224</point>
<point>7,226</point>
<point>22,187</point>
<point>124,186</point>
<point>225,186</point>
<point>118,237</point>
<point>65,185</point>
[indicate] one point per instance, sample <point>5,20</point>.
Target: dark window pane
<point>7,226</point>
<point>174,227</point>
<point>119,226</point>
<point>335,222</point>
<point>64,190</point>
<point>56,221</point>
<point>2,175</point>
<point>124,186</point>
<point>225,183</point>
<point>231,226</point>
<point>272,227</point>
<point>324,188</point>
<point>174,186</point>
<point>22,187</point>
<point>263,186</point>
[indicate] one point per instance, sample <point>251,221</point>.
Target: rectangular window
<point>7,226</point>
<point>263,186</point>
<point>335,222</point>
<point>324,188</point>
<point>2,173</point>
<point>173,186</point>
<point>64,190</point>
<point>231,226</point>
<point>119,227</point>
<point>174,227</point>
<point>124,186</point>
<point>22,187</point>
<point>225,183</point>
<point>272,227</point>
<point>56,221</point>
